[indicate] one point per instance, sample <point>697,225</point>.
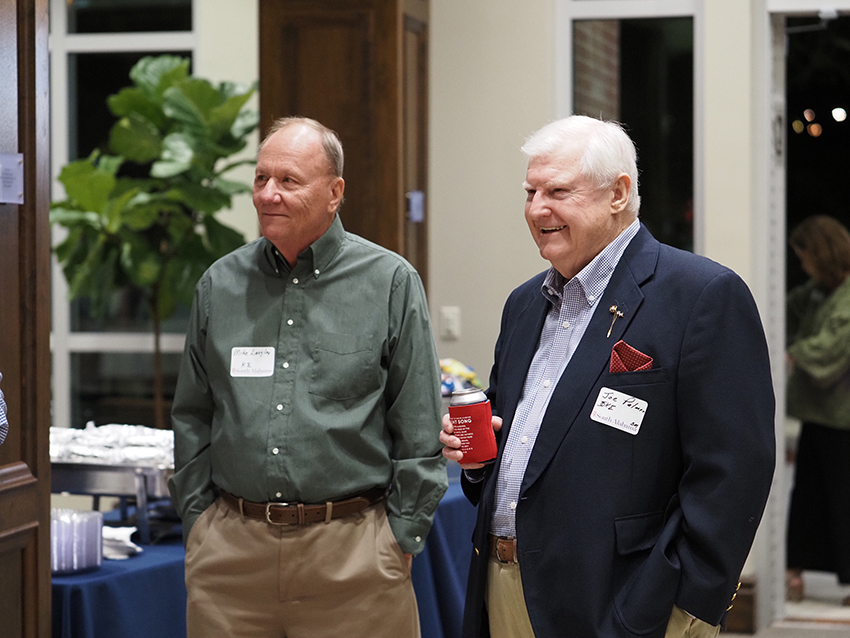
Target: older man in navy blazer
<point>635,418</point>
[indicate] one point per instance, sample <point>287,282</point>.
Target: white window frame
<point>569,11</point>
<point>64,342</point>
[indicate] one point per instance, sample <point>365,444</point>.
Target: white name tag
<point>618,410</point>
<point>251,362</point>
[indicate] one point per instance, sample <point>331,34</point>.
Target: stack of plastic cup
<point>76,540</point>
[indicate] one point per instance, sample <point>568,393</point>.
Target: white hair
<point>605,147</point>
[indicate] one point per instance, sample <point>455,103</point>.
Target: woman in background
<point>818,354</point>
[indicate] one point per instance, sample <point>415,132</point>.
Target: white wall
<point>491,86</point>
<point>228,50</point>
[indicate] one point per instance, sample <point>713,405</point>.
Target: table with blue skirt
<point>145,595</point>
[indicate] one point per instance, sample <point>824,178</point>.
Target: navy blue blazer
<point>613,529</point>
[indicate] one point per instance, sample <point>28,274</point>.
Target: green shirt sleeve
<point>191,487</point>
<point>413,416</point>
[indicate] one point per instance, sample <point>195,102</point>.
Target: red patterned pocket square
<point>624,358</point>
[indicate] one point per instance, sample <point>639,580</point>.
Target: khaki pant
<point>508,615</point>
<point>347,578</point>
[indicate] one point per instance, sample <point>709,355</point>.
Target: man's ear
<point>620,192</point>
<point>337,190</point>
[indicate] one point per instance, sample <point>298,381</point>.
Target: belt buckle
<point>506,550</point>
<point>268,513</point>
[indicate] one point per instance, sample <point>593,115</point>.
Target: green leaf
<point>70,217</point>
<point>200,197</point>
<point>140,262</point>
<point>189,104</point>
<point>231,187</point>
<point>135,138</point>
<point>146,209</point>
<point>165,302</point>
<point>177,155</point>
<point>154,75</point>
<point>132,100</point>
<point>114,210</point>
<point>87,185</point>
<point>223,116</point>
<point>245,122</point>
<point>221,239</point>
<point>179,225</point>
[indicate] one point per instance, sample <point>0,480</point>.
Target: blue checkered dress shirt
<point>4,424</point>
<point>572,305</point>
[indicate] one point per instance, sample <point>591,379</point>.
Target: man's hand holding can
<point>452,450</point>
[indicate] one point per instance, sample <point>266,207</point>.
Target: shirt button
<point>295,281</point>
<point>275,451</point>
<point>316,271</point>
<point>278,494</point>
<point>591,297</point>
<point>524,440</point>
<point>513,505</point>
<point>551,292</point>
<point>418,539</point>
<point>280,406</point>
<point>286,364</point>
<point>289,322</point>
<point>566,324</point>
<point>547,383</point>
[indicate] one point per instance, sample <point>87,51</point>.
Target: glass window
<point>92,77</point>
<point>117,387</point>
<point>121,16</point>
<point>640,72</point>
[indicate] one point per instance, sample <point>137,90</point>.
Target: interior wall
<point>228,50</point>
<point>491,86</point>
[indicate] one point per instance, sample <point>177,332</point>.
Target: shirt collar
<point>316,257</point>
<point>593,278</point>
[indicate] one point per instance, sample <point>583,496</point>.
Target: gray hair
<point>605,147</point>
<point>331,145</point>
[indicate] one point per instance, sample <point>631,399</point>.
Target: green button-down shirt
<point>311,384</point>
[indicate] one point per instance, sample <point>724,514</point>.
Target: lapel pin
<point>613,310</point>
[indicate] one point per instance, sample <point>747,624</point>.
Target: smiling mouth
<point>553,229</point>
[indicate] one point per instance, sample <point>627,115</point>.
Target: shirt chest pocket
<point>344,366</point>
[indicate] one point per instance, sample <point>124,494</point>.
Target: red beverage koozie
<point>471,419</point>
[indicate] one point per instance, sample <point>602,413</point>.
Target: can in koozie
<point>471,419</point>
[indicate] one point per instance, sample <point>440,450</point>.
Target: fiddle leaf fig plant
<point>141,215</point>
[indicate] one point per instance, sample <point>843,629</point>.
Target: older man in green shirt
<point>306,418</point>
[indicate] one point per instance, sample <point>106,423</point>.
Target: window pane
<point>128,312</point>
<point>117,387</point>
<point>121,16</point>
<point>93,77</point>
<point>640,72</point>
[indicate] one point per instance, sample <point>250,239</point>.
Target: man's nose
<point>269,193</point>
<point>535,205</point>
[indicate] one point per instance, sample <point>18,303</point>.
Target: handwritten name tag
<point>251,362</point>
<point>619,410</point>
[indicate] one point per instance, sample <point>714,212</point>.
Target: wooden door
<point>350,64</point>
<point>25,325</point>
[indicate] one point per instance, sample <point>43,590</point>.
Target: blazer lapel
<point>520,348</point>
<point>593,354</point>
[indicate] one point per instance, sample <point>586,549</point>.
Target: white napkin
<point>117,544</point>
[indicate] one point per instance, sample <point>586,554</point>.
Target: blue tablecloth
<point>145,596</point>
<point>439,572</point>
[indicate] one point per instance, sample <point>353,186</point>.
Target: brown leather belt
<point>503,548</point>
<point>300,514</point>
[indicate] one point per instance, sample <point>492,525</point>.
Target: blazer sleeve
<point>726,417</point>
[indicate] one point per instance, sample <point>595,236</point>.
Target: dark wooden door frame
<point>25,325</point>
